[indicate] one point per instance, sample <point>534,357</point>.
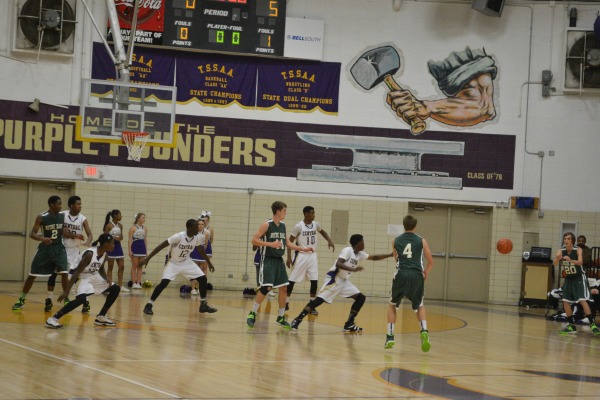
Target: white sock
<point>423,325</point>
<point>390,328</point>
<point>255,307</point>
<point>281,312</point>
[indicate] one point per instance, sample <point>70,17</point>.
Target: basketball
<point>504,246</point>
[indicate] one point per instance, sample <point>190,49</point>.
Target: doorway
<point>21,202</point>
<point>459,240</point>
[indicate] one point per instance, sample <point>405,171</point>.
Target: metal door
<point>468,257</point>
<point>459,239</point>
<point>432,224</point>
<point>21,202</point>
<point>13,229</point>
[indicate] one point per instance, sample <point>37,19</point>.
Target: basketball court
<point>478,351</point>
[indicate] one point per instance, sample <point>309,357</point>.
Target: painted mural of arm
<point>472,105</point>
<point>467,78</point>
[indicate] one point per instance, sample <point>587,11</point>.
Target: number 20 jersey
<point>75,226</point>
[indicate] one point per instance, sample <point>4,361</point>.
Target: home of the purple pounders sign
<point>303,151</point>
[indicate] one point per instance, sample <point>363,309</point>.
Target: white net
<point>135,142</point>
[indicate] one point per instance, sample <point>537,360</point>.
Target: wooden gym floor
<point>478,351</point>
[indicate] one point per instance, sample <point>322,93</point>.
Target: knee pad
<point>163,284</point>
<point>290,287</point>
<point>82,298</point>
<point>115,289</point>
<point>359,301</point>
<point>52,280</point>
<point>315,303</point>
<point>202,279</point>
<point>313,286</point>
<point>264,290</point>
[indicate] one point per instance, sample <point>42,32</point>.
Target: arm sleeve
<point>459,68</point>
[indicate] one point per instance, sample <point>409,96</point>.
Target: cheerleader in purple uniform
<point>197,258</point>
<point>113,227</point>
<point>205,216</point>
<point>137,248</point>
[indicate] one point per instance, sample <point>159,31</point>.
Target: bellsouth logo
<point>304,38</point>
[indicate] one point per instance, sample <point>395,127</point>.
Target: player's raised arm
<point>158,248</point>
<point>377,257</point>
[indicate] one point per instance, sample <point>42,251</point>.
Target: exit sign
<point>91,172</point>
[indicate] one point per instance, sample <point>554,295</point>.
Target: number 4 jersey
<point>409,247</point>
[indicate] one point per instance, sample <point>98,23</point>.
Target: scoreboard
<point>237,26</point>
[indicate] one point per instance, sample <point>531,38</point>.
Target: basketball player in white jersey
<point>306,265</point>
<point>90,269</point>
<point>180,262</point>
<point>338,283</point>
<point>74,226</point>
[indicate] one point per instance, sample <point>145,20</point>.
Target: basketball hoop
<point>135,142</point>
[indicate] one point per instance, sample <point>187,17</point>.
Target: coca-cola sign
<point>147,10</point>
<point>150,21</point>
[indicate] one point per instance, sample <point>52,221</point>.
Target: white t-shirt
<point>95,263</point>
<point>352,260</point>
<point>74,224</point>
<point>182,245</point>
<point>306,235</point>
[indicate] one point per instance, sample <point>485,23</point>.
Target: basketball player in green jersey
<point>576,287</point>
<point>409,280</point>
<point>272,239</point>
<point>51,255</point>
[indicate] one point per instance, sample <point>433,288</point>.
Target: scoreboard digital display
<point>237,26</point>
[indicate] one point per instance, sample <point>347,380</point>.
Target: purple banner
<point>221,80</point>
<point>148,66</point>
<point>264,148</point>
<point>300,86</point>
<point>216,80</point>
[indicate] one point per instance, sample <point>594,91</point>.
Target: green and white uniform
<point>576,287</point>
<point>409,281</point>
<point>50,258</point>
<point>272,267</point>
